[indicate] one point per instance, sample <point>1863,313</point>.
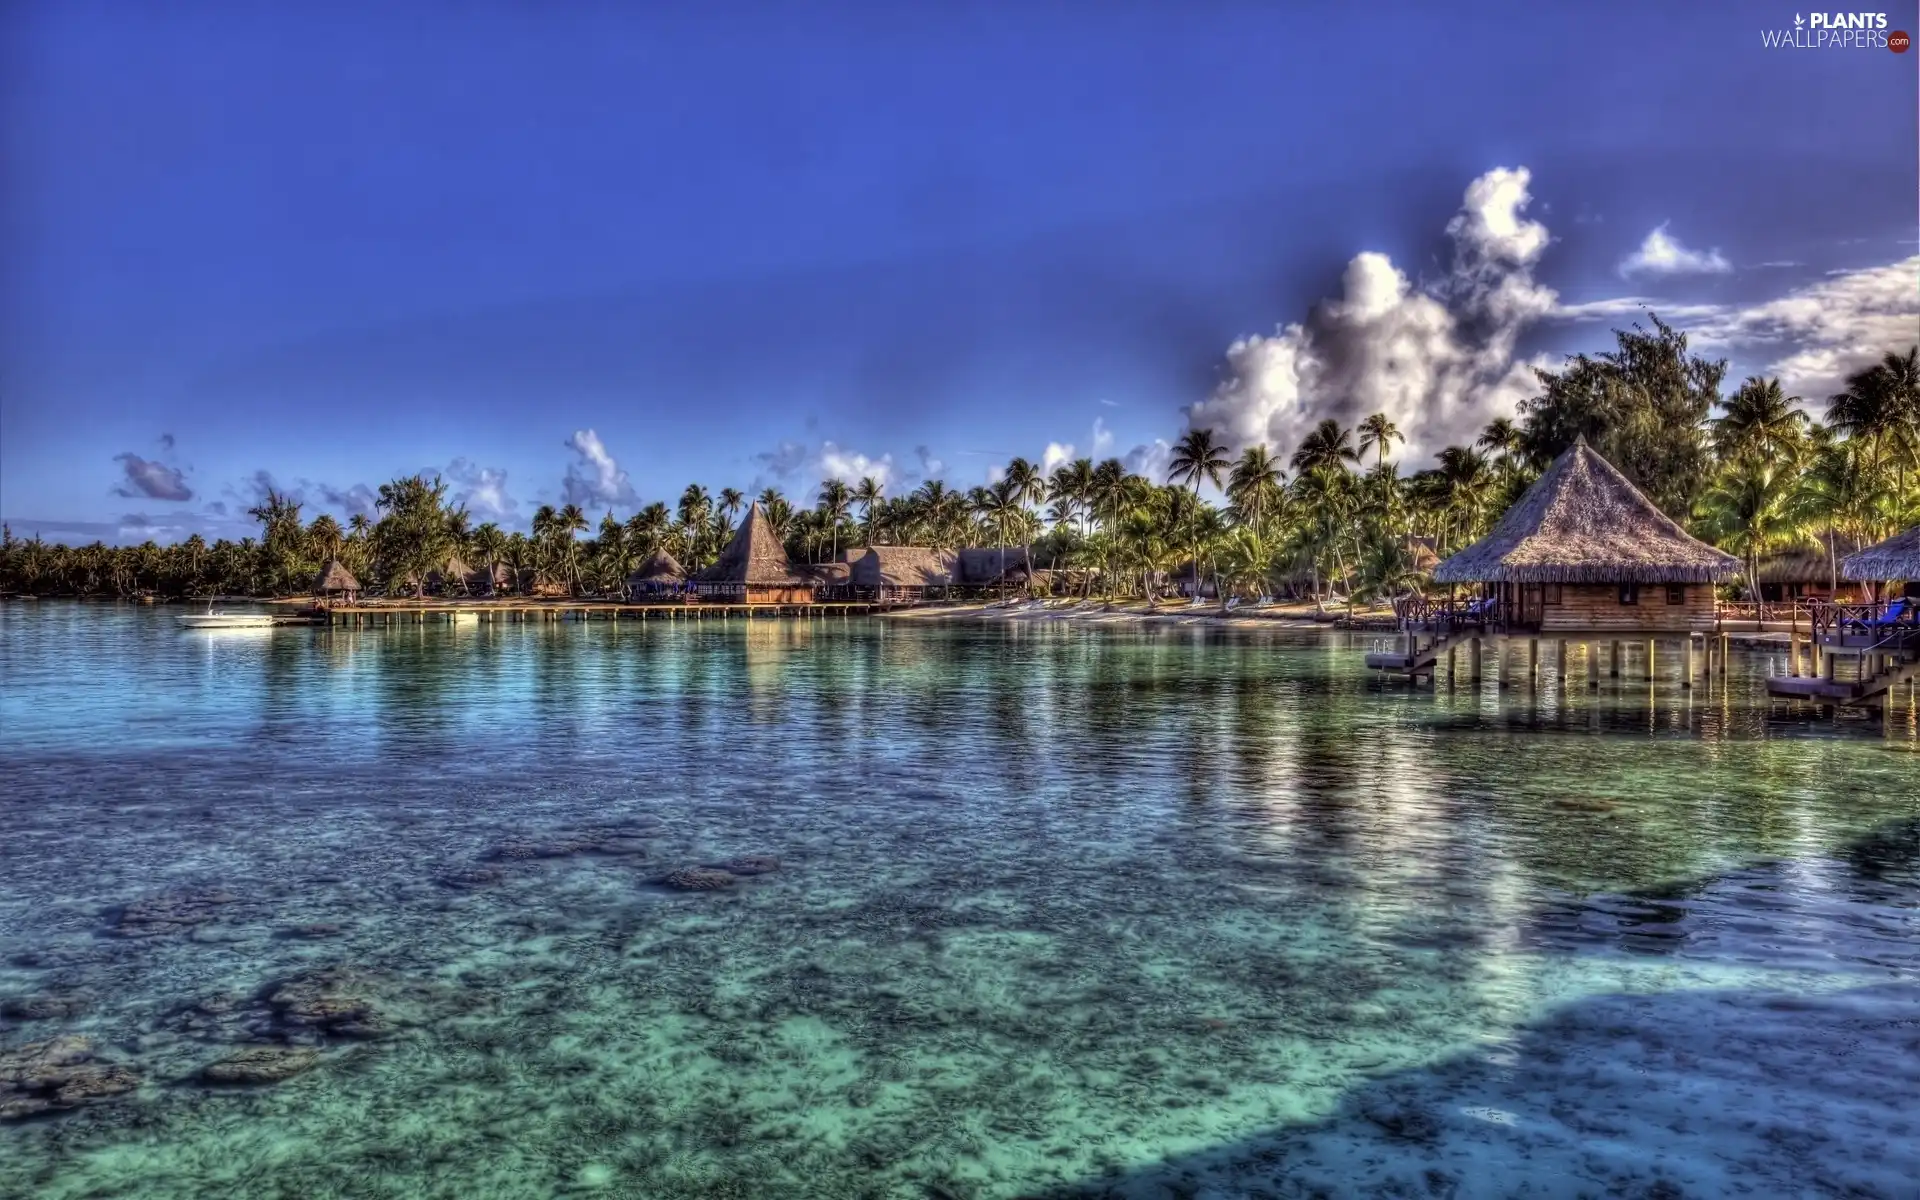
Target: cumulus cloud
<point>483,490</point>
<point>809,463</point>
<point>1437,359</point>
<point>1816,335</point>
<point>153,480</point>
<point>1151,459</point>
<point>1055,455</point>
<point>930,467</point>
<point>593,479</point>
<point>850,466</point>
<point>1663,254</point>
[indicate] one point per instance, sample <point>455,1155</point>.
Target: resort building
<point>1583,551</point>
<point>1896,560</point>
<point>901,572</point>
<point>1809,572</point>
<point>660,576</point>
<point>336,583</point>
<point>754,568</point>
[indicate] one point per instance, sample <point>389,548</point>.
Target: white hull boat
<point>225,620</point>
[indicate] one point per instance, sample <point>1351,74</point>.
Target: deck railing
<point>1447,615</point>
<point>1893,623</point>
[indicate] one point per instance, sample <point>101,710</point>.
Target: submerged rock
<point>332,1000</point>
<point>46,1006</point>
<point>171,913</point>
<point>698,879</point>
<point>260,1064</point>
<point>57,1074</point>
<point>471,878</point>
<point>749,864</point>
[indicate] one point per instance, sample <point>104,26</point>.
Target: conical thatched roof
<point>1896,558</point>
<point>1584,522</point>
<point>661,568</point>
<point>335,577</point>
<point>754,556</point>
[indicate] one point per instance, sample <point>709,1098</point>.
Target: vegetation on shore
<point>1748,471</point>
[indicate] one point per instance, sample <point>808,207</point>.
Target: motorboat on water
<point>211,619</point>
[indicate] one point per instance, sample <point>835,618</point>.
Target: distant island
<point>1749,472</point>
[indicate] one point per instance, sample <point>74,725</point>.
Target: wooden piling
<point>1613,667</point>
<point>1473,660</point>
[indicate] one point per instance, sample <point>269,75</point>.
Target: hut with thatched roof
<point>754,568</point>
<point>335,582</point>
<point>1808,572</point>
<point>902,572</point>
<point>988,566</point>
<point>1897,558</point>
<point>660,575</point>
<point>1583,550</point>
<point>493,581</point>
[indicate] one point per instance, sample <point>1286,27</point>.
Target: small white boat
<point>224,620</point>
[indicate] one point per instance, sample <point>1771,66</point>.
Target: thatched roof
<point>989,564</point>
<point>661,568</point>
<point>1896,558</point>
<point>1808,563</point>
<point>1584,522</point>
<point>904,566</point>
<point>335,577</point>
<point>754,556</point>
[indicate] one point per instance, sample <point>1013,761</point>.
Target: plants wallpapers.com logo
<point>1836,31</point>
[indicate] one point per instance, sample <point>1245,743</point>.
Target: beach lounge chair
<point>1232,603</point>
<point>1897,614</point>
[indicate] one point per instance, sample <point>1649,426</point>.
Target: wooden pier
<point>1517,656</point>
<point>1880,643</point>
<point>453,612</point>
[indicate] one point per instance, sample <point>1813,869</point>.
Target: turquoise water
<point>1058,911</point>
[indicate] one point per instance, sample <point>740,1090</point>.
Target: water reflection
<point>1052,902</point>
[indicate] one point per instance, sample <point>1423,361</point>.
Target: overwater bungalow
<point>1896,560</point>
<point>1581,558</point>
<point>659,577</point>
<point>1583,550</point>
<point>754,568</point>
<point>336,583</point>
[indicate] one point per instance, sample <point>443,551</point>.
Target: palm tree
<point>1377,433</point>
<point>732,500</point>
<point>1256,486</point>
<point>1107,491</point>
<point>1501,437</point>
<point>1197,456</point>
<point>867,494</point>
<point>1028,487</point>
<point>490,544</point>
<point>1759,419</point>
<point>572,521</point>
<point>1328,445</point>
<point>835,499</point>
<point>1072,490</point>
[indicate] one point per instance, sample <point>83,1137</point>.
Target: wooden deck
<point>491,612</point>
<point>1524,656</point>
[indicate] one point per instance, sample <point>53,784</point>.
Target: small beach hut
<point>492,582</point>
<point>1808,572</point>
<point>903,572</point>
<point>661,575</point>
<point>1584,550</point>
<point>1896,559</point>
<point>991,566</point>
<point>336,583</point>
<point>754,568</point>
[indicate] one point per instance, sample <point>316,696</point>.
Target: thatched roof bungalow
<point>754,568</point>
<point>1583,549</point>
<point>491,582</point>
<point>984,566</point>
<point>903,568</point>
<point>1897,558</point>
<point>335,582</point>
<point>1811,570</point>
<point>660,573</point>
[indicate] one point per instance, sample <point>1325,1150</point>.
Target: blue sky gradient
<point>339,242</point>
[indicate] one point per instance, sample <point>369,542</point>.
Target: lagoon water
<point>1058,911</point>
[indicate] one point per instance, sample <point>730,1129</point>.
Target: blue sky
<point>753,243</point>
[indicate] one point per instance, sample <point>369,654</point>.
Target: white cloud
<point>1150,460</point>
<point>1437,360</point>
<point>594,479</point>
<point>1814,336</point>
<point>1057,454</point>
<point>484,490</point>
<point>1102,438</point>
<point>850,466</point>
<point>1661,254</point>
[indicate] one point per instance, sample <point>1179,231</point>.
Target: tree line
<point>1749,471</point>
